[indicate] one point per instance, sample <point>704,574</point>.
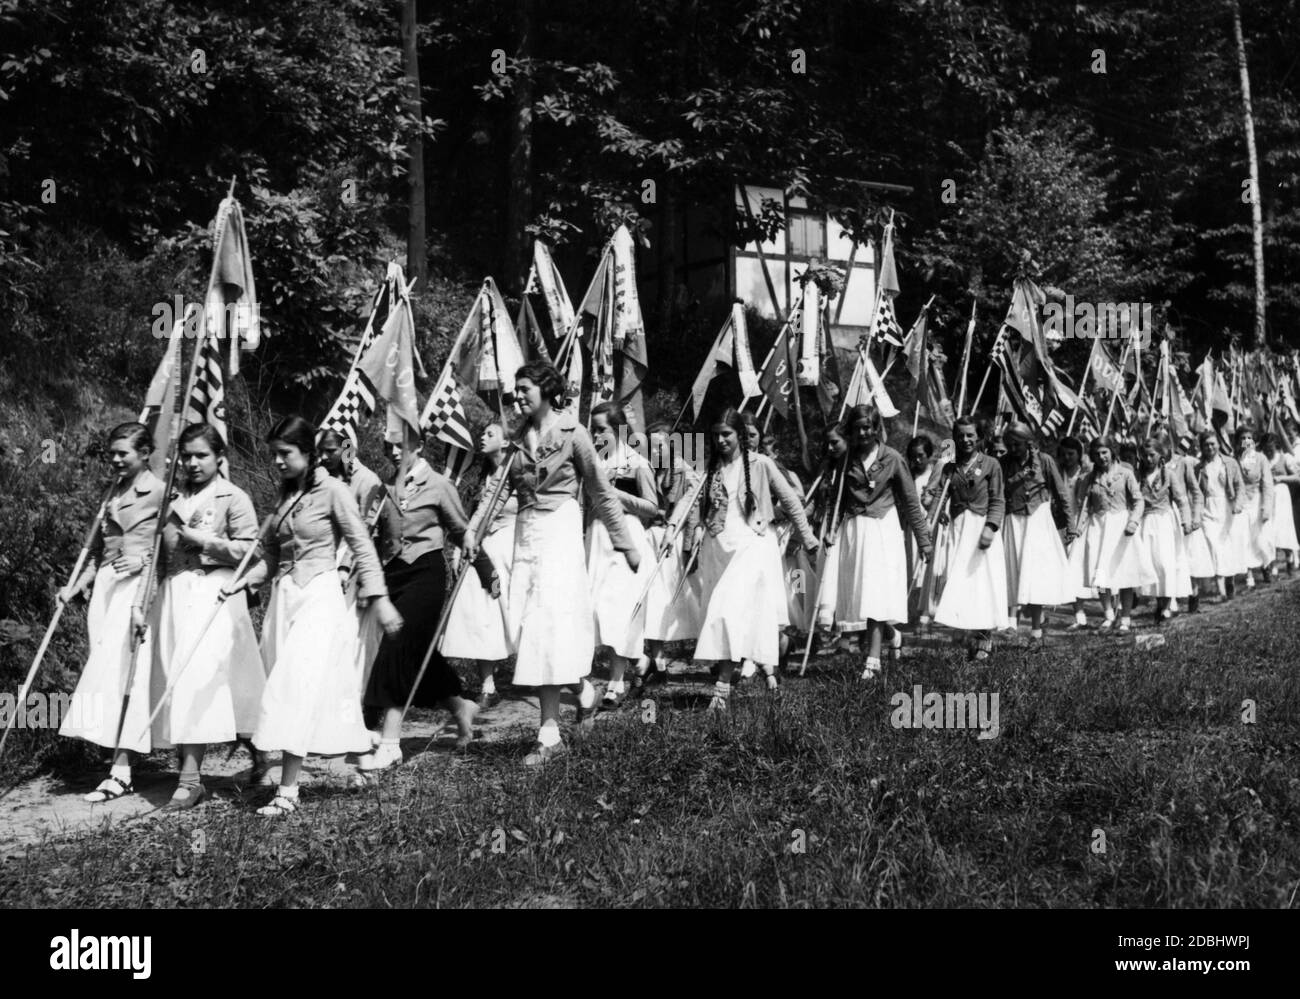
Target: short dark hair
<point>135,434</point>
<point>205,432</point>
<point>613,413</point>
<point>547,379</point>
<point>927,445</point>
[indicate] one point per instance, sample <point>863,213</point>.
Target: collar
<point>145,482</point>
<point>419,471</point>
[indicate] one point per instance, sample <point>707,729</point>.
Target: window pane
<point>807,236</point>
<point>752,289</point>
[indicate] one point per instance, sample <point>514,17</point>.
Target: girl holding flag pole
<point>1257,506</point>
<point>310,704</point>
<point>553,627</point>
<point>745,605</point>
<point>480,626</point>
<point>119,552</point>
<point>615,588</point>
<point>218,674</point>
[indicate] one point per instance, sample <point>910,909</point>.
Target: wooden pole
<point>965,358</point>
<point>834,525</point>
<point>1083,385</point>
<point>1252,156</point>
<point>1110,410</point>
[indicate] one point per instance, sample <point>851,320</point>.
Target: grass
<point>812,800</point>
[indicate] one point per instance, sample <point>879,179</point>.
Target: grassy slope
<point>1198,809</point>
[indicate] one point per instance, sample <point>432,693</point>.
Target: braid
<point>749,491</point>
<point>708,486</point>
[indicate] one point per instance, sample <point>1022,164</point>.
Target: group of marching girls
<point>579,542</point>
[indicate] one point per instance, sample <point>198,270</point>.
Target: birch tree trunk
<point>1256,212</point>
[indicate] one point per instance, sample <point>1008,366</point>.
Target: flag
<point>1105,373</point>
<point>810,321</point>
<point>1024,404</point>
<point>744,358</point>
<point>528,334</point>
<point>499,353</point>
<point>629,332</point>
<point>884,324</point>
<point>389,365</point>
<point>730,348</point>
<point>544,279</point>
<point>444,413</point>
<point>999,349</point>
<point>230,306</point>
<point>828,388</point>
<point>207,402</point>
<point>866,387</point>
<point>160,399</point>
<point>357,398</point>
<point>914,346</point>
<point>776,380</point>
<point>1037,370</point>
<point>355,401</point>
<point>932,393</point>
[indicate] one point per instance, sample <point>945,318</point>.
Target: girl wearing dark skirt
<point>431,515</point>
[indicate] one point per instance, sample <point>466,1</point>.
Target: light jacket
<point>1165,492</point>
<point>226,514</point>
<point>767,482</point>
<point>307,529</point>
<point>128,527</point>
<point>1229,478</point>
<point>1257,480</point>
<point>1115,489</point>
<point>1028,485</point>
<point>545,478</point>
<point>981,492</point>
<point>883,487</point>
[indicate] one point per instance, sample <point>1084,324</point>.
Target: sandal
<point>280,805</point>
<point>110,788</point>
<point>192,798</point>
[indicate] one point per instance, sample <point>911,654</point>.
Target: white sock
<point>747,669</point>
<point>617,686</point>
<point>1173,606</point>
<point>586,697</point>
<point>1035,632</point>
<point>489,684</point>
<point>288,792</point>
<point>549,733</point>
<point>1080,617</point>
<point>1126,622</point>
<point>121,771</point>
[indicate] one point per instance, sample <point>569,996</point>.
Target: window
<point>807,234</point>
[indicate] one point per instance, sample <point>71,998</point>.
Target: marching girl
<point>416,580</point>
<point>338,457</point>
<point>754,442</point>
<point>310,704</point>
<point>615,588</point>
<point>119,553</point>
<point>218,675</point>
<point>975,590</point>
<point>797,569</point>
<point>1166,515</point>
<point>1286,474</point>
<point>828,564</point>
<point>1038,570</point>
<point>673,606</point>
<point>745,601</point>
<point>1117,558</point>
<point>920,463</point>
<point>871,594</point>
<point>1219,477</point>
<point>479,624</point>
<point>1189,538</point>
<point>1075,469</point>
<point>1257,506</point>
<point>553,625</point>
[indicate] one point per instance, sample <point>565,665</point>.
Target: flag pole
<point>1110,410</point>
<point>58,613</point>
<point>834,533</point>
<point>1083,386</point>
<point>965,359</point>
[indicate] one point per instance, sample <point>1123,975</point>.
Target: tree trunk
<point>417,258</point>
<point>1256,213</point>
<point>519,199</point>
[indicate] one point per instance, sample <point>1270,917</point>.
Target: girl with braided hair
<point>1166,515</point>
<point>744,592</point>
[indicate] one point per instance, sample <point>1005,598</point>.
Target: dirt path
<point>52,807</point>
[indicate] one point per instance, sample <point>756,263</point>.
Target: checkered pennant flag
<point>444,417</point>
<point>998,352</point>
<point>886,326</point>
<point>355,401</point>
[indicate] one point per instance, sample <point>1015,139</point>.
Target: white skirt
<point>745,594</point>
<point>1160,532</point>
<point>828,573</point>
<point>615,588</point>
<point>1038,570</point>
<point>369,634</point>
<point>219,692</point>
<point>1226,556</point>
<point>312,703</point>
<point>666,619</point>
<point>801,583</point>
<point>975,589</point>
<point>1258,535</point>
<point>553,630</point>
<point>1283,522</point>
<point>1116,561</point>
<point>96,704</point>
<point>478,624</point>
<point>873,581</point>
